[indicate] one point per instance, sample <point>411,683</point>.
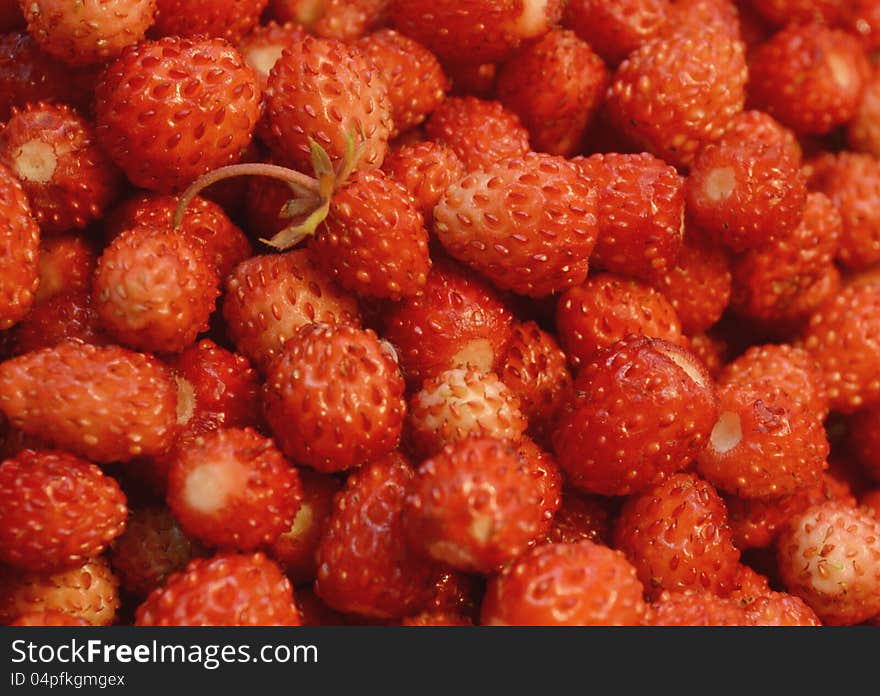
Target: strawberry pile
<point>440,313</point>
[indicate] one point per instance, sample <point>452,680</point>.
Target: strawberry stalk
<point>310,203</point>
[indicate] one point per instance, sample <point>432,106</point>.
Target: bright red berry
<point>63,316</point>
<point>425,170</point>
<point>66,264</point>
<point>19,245</point>
<point>616,29</point>
<point>230,20</point>
<point>262,47</point>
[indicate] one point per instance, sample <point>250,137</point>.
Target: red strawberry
<point>50,617</point>
<point>63,316</point>
<point>90,32</point>
<point>204,222</point>
<point>152,547</point>
<point>616,29</point>
<point>579,517</point>
<point>699,285</point>
<point>66,264</point>
<point>462,403</point>
<point>474,30</point>
<point>19,244</point>
<point>327,91</point>
<point>843,336</point>
<point>263,46</point>
<point>529,224</point>
<point>480,503</point>
<point>782,12</point>
<point>641,214</point>
<point>696,16</point>
<point>295,549</point>
<point>862,18</point>
<point>226,590</point>
<point>68,179</point>
<point>471,79</point>
<point>695,608</point>
<point>230,20</point>
<point>416,82</point>
<point>778,609</point>
<point>652,104</point>
<point>373,240</point>
<point>479,132</point>
<point>425,170</point>
<point>534,368</point>
<point>581,584</point>
<point>233,489</point>
<point>572,83</point>
<point>348,20</point>
<point>89,592</point>
<point>269,297</point>
<point>677,536</point>
<point>640,412</point>
<point>458,321</point>
<point>809,77</point>
<point>607,308</point>
<point>862,132</point>
<point>105,403</point>
<point>436,619</point>
<point>829,556</point>
<point>712,351</point>
<point>334,398</point>
<point>56,510</point>
<point>306,12</point>
<point>162,143</point>
<point>457,593</point>
<point>363,565</point>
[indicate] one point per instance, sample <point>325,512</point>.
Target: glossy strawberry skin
<point>425,170</point>
<point>615,30</point>
<point>677,536</point>
<point>163,137</point>
<point>66,264</point>
<point>57,510</point>
<point>334,399</point>
<point>63,316</point>
<point>19,245</point>
<point>583,584</point>
<point>325,90</point>
<point>640,411</point>
<point>695,608</point>
<point>541,224</point>
<point>104,403</point>
<point>225,590</point>
<point>230,21</point>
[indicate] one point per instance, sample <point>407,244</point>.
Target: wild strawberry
<point>677,536</point>
<point>416,82</point>
<point>479,132</point>
<point>373,241</point>
<point>615,30</point>
<point>862,18</point>
<point>230,20</point>
<point>295,549</point>
<point>28,74</point>
<point>480,503</point>
<point>477,30</point>
<point>66,264</point>
<point>579,517</point>
<point>425,170</point>
<point>334,398</point>
<point>56,510</point>
<point>641,214</point>
<point>19,245</point>
<point>152,547</point>
<point>843,336</point>
<point>572,81</point>
<point>324,90</point>
<point>809,77</point>
<point>107,404</point>
<point>269,297</point>
<point>204,222</point>
<point>756,522</point>
<point>90,32</point>
<point>364,567</point>
<point>49,617</point>
<point>305,12</point>
<point>640,412</point>
<point>697,16</point>
<point>862,132</point>
<point>154,289</point>
<point>695,608</point>
<point>534,368</point>
<point>581,584</point>
<point>436,619</point>
<point>783,12</point>
<point>63,316</point>
<point>766,441</point>
<point>713,352</point>
<point>162,143</point>
<point>529,224</point>
<point>651,103</point>
<point>607,308</point>
<point>699,285</point>
<point>458,321</point>
<point>347,20</point>
<point>471,79</point>
<point>778,609</point>
<point>233,489</point>
<point>761,127</point>
<point>262,47</point>
<point>462,403</point>
<point>829,556</point>
<point>774,283</point>
<point>89,592</point>
<point>226,590</point>
<point>67,177</point>
<point>457,593</point>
